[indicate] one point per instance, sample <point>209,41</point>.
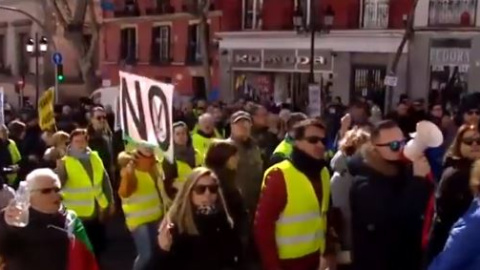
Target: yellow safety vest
<point>284,147</point>
<point>201,144</point>
<point>301,228</point>
<point>80,192</point>
<point>144,205</point>
<point>16,157</point>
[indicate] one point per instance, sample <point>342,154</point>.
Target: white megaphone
<point>427,135</point>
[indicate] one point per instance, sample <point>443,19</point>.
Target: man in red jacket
<point>291,220</point>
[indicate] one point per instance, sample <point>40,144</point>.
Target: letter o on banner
<point>160,116</point>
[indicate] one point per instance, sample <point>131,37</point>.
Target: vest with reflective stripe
<point>183,169</point>
<point>144,205</point>
<point>16,157</point>
<point>301,228</point>
<point>80,193</point>
<point>284,147</point>
<point>201,143</point>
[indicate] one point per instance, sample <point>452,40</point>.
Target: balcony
<point>161,9</point>
<point>130,10</point>
<point>375,14</point>
<point>452,13</point>
<point>196,7</point>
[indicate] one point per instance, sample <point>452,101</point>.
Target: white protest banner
<point>2,104</point>
<point>145,108</point>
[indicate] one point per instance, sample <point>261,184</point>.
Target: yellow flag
<point>45,110</point>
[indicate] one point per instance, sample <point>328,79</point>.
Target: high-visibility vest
<point>16,157</point>
<point>144,205</point>
<point>285,147</point>
<point>301,228</point>
<point>80,193</point>
<point>183,169</point>
<point>201,144</point>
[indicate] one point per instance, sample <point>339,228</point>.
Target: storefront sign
<point>281,59</point>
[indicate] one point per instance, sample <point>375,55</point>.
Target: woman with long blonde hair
<point>197,232</point>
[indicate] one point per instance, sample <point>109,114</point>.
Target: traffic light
<point>60,76</point>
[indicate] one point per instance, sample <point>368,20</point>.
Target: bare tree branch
<point>59,14</point>
<point>95,31</point>
<point>68,10</point>
<point>80,11</point>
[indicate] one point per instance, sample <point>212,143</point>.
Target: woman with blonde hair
<point>197,232</point>
<point>341,182</point>
<point>58,149</point>
<point>462,248</point>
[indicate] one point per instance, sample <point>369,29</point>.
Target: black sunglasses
<point>470,112</point>
<point>393,145</point>
<point>315,140</point>
<point>201,189</point>
<point>46,191</point>
<point>470,141</point>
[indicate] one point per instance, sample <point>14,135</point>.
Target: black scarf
<point>308,165</point>
<point>185,154</point>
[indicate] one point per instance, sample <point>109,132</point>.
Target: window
<point>23,59</point>
<point>160,44</point>
<point>304,8</point>
<point>375,14</point>
<point>452,12</point>
<point>194,52</point>
<point>128,45</point>
<point>252,10</point>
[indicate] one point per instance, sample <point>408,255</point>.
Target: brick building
<point>267,53</point>
<point>160,39</point>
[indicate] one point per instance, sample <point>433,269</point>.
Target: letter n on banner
<point>145,109</point>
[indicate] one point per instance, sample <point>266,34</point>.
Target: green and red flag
<point>81,256</point>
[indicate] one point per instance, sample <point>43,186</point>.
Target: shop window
<point>252,14</point>
<point>452,12</point>
<point>374,14</point>
<point>367,83</point>
<point>128,45</point>
<point>449,68</point>
<point>160,48</point>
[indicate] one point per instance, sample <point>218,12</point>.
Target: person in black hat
<point>469,110</point>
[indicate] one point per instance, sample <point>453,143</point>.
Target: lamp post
<point>302,26</point>
<point>37,47</point>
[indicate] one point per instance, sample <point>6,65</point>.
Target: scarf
<point>308,165</point>
<point>185,154</point>
<point>206,210</point>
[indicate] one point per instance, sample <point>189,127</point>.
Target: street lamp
<point>37,47</point>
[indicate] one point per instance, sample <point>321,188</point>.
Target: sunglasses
<point>470,141</point>
<point>395,146</point>
<point>471,112</point>
<point>47,191</point>
<point>201,189</point>
<point>316,139</point>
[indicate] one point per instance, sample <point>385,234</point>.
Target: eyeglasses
<point>471,112</point>
<point>316,139</point>
<point>470,141</point>
<point>101,117</point>
<point>47,191</point>
<point>201,189</point>
<point>393,145</point>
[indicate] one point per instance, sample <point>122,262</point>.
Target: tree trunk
<point>409,31</point>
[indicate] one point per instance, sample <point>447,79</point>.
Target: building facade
<point>445,53</point>
<point>16,64</point>
<point>161,40</point>
<point>270,56</point>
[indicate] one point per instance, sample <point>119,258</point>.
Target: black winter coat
<point>453,199</point>
<point>216,248</point>
<point>38,246</point>
<point>387,216</point>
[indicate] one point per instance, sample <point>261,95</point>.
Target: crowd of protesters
<point>251,186</point>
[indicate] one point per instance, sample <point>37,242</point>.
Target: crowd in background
<point>251,186</point>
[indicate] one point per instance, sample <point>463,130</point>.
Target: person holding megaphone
<point>388,199</point>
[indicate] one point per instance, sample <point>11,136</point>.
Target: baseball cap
<point>240,115</point>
